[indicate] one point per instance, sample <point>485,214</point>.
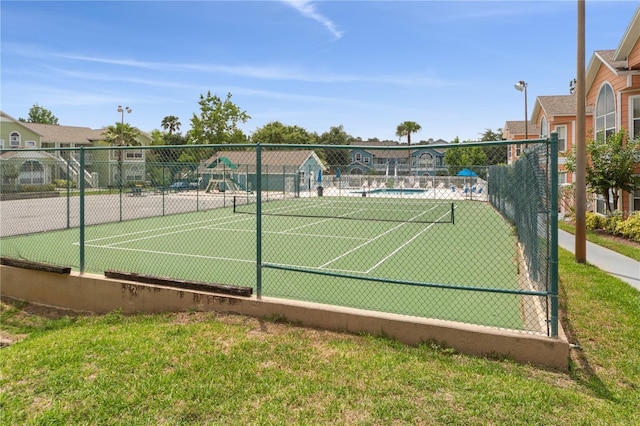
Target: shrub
<point>594,221</point>
<point>62,183</point>
<point>611,223</point>
<point>37,188</point>
<point>630,228</point>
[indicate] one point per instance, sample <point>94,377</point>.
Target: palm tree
<point>121,134</point>
<point>405,129</point>
<point>171,123</point>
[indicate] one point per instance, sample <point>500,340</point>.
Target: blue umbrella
<point>338,173</point>
<point>467,172</point>
<point>320,176</point>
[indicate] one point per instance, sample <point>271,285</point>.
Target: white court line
<point>299,234</point>
<point>158,229</point>
<point>174,254</point>
<point>371,240</point>
<point>401,247</point>
<point>182,231</point>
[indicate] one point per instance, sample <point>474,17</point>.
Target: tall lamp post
<point>521,86</point>
<point>121,110</point>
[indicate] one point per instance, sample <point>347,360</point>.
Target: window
<point>14,140</point>
<point>30,144</point>
<point>636,200</point>
<point>635,116</point>
<point>544,127</point>
<point>562,178</point>
<point>518,150</point>
<point>358,157</point>
<point>136,154</point>
<point>134,174</point>
<point>605,112</point>
<point>31,173</point>
<point>366,160</point>
<point>562,138</point>
<point>1,143</point>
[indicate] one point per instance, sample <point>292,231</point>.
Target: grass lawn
<point>204,368</point>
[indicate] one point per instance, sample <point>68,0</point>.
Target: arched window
<point>31,173</point>
<point>605,112</point>
<point>544,127</point>
<point>14,140</point>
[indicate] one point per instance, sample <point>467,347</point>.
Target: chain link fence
<point>385,228</point>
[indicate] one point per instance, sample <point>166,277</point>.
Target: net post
<point>453,217</point>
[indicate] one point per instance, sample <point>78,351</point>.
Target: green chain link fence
<point>377,227</point>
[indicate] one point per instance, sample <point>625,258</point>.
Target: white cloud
<point>308,10</point>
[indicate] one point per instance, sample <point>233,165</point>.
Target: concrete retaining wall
<point>95,293</point>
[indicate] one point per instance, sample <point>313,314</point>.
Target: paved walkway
<point>619,266</point>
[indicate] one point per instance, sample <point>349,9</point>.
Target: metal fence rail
<point>345,225</point>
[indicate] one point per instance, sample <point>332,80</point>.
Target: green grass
<point>203,368</point>
<point>628,249</point>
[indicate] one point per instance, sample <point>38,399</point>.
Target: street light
<point>121,110</point>
<point>521,86</point>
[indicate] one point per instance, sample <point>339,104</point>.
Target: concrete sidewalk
<point>615,264</point>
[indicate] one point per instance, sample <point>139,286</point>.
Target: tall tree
<point>171,123</point>
<point>38,114</point>
<point>276,132</point>
<point>336,136</point>
<point>121,134</point>
<point>406,128</point>
<point>460,156</point>
<point>611,165</point>
<point>496,154</point>
<point>217,122</point>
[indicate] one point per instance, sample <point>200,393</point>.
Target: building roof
<point>517,128</point>
<point>70,134</point>
<point>269,158</point>
<point>629,39</point>
<point>390,153</point>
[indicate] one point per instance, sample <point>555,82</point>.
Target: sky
<point>450,66</point>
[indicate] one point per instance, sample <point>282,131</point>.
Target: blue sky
<point>366,65</point>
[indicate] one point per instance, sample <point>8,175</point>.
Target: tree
<point>218,121</point>
<point>405,129</point>
<point>460,157</point>
<point>611,165</point>
<point>121,134</point>
<point>495,154</point>
<point>171,123</point>
<point>216,124</point>
<point>277,133</point>
<point>38,114</point>
<point>336,136</point>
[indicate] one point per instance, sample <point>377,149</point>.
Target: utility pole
<point>581,149</point>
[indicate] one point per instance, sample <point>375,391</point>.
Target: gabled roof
<point>71,134</point>
<point>269,158</point>
<point>629,39</point>
<point>557,106</point>
<point>517,128</point>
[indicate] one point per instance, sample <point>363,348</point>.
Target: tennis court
<point>406,256</point>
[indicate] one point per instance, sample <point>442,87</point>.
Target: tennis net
<point>351,208</point>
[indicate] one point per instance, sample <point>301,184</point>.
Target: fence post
<point>68,194</point>
<point>258,220</point>
<point>82,195</point>
<point>553,219</point>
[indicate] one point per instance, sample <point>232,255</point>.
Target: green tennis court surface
<point>219,246</point>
